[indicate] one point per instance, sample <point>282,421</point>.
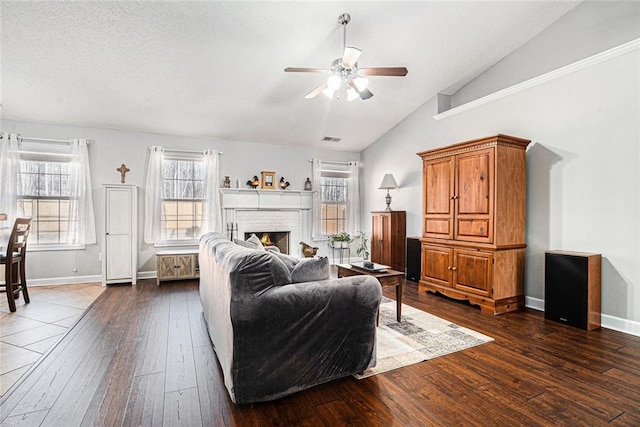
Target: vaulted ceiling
<point>215,69</point>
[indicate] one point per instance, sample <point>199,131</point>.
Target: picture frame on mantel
<point>268,181</point>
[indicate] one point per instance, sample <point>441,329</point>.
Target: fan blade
<point>306,70</point>
<point>350,56</point>
<point>384,71</point>
<point>364,93</point>
<point>316,91</point>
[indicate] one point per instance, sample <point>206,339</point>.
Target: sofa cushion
<point>311,269</point>
<point>254,272</point>
<point>289,261</point>
<point>279,271</point>
<point>252,243</point>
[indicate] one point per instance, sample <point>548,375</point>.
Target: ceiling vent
<point>331,139</point>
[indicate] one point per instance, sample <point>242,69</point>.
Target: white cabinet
<point>120,240</point>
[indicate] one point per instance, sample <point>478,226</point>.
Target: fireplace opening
<point>272,238</point>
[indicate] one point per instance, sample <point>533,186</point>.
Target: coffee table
<point>387,277</point>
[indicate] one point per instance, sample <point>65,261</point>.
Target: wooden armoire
<point>473,240</point>
<point>388,235</point>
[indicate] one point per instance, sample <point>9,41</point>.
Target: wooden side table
<point>388,277</point>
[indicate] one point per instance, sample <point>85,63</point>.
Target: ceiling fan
<point>345,74</point>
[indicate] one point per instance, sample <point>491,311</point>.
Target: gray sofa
<point>274,338</point>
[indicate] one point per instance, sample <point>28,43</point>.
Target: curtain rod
<point>175,150</point>
<point>61,141</point>
<point>334,162</point>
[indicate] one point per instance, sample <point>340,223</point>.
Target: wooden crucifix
<point>123,170</point>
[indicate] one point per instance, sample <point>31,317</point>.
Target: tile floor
<point>34,328</point>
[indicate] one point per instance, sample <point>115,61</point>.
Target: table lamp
<point>388,182</point>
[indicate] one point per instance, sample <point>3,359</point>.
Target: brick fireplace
<point>280,239</point>
<point>269,211</point>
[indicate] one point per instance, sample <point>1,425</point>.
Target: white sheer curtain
<point>9,167</point>
<point>81,219</point>
<point>317,199</point>
<point>153,196</point>
<point>211,213</point>
<point>353,199</point>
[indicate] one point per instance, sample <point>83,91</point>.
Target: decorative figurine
<point>227,182</point>
<point>308,251</point>
<point>254,182</point>
<point>283,184</point>
<point>307,185</point>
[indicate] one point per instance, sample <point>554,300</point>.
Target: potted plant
<point>340,240</point>
<point>362,249</point>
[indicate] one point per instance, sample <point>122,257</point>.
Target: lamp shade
<point>388,182</point>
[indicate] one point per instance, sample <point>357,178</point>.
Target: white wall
<point>582,171</point>
<point>588,29</point>
<point>110,148</point>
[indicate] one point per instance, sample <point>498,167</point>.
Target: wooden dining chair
<point>14,260</point>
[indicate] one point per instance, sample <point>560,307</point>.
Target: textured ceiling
<point>215,69</point>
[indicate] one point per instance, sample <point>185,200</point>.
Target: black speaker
<point>414,251</point>
<point>572,288</point>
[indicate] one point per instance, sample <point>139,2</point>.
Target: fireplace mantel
<point>246,198</point>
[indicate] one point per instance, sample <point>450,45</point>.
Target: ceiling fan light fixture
<point>328,92</point>
<point>361,83</point>
<point>346,77</point>
<point>352,94</point>
<point>333,82</point>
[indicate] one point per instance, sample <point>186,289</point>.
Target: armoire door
<point>474,196</point>
<point>437,262</point>
<point>438,198</point>
<point>473,271</point>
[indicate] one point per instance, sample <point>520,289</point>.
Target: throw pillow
<point>254,239</point>
<point>311,269</point>
<point>244,244</point>
<point>252,243</point>
<point>272,249</point>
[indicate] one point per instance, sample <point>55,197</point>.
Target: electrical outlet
<point>75,269</point>
<point>100,256</point>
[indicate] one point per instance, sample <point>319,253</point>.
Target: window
<point>336,203</point>
<point>334,193</point>
<point>50,182</point>
<point>44,196</point>
<point>182,198</point>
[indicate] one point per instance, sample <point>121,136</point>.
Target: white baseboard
<point>534,303</point>
<point>64,280</point>
<point>147,275</point>
<point>55,281</point>
<point>619,324</point>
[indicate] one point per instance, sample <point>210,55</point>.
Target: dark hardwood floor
<point>141,356</point>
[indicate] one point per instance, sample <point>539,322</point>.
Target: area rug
<point>418,337</point>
